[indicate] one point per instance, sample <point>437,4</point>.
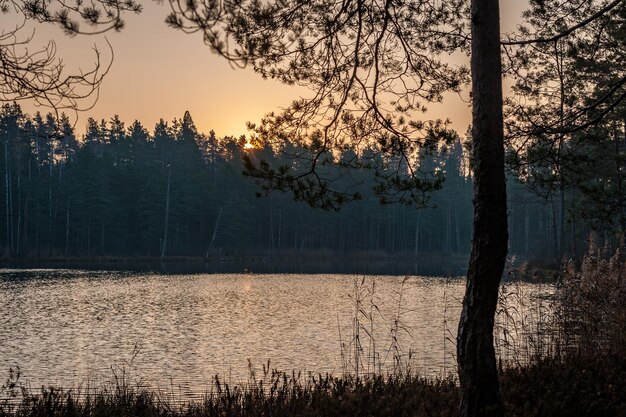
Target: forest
<point>125,191</point>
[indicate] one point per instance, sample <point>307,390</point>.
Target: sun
<point>248,146</point>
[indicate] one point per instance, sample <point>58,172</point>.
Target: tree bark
<point>217,224</point>
<point>7,181</point>
<point>167,212</point>
<point>417,233</point>
<point>478,375</point>
<point>67,222</point>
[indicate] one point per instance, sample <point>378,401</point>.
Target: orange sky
<point>160,73</point>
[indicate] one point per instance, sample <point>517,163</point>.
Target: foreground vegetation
<point>575,387</point>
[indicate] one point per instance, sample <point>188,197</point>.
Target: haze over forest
<point>106,193</point>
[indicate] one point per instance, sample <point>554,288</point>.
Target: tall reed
<point>591,305</point>
<point>582,313</point>
<point>363,354</point>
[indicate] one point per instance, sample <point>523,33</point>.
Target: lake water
<point>175,332</point>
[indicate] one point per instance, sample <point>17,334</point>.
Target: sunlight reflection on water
<point>176,332</point>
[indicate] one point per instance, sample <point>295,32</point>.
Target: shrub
<point>590,306</point>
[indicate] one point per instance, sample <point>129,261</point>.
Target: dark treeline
<point>125,191</point>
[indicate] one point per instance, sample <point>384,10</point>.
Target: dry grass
<point>552,387</point>
<point>591,306</point>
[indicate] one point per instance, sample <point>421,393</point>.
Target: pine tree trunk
<point>448,230</point>
<point>573,224</point>
<point>561,221</point>
<point>217,224</point>
<point>102,239</point>
<point>480,392</point>
<point>7,188</point>
<point>280,221</point>
<point>417,233</point>
<point>526,229</point>
<point>18,239</point>
<point>88,235</point>
<point>555,235</point>
<point>620,148</point>
<point>67,222</point>
<point>167,213</point>
<point>457,230</point>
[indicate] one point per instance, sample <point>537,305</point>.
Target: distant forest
<point>123,190</point>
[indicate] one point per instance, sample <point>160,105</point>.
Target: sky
<point>158,72</point>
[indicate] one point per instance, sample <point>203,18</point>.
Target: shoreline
<point>435,264</point>
<point>555,386</point>
<point>284,262</point>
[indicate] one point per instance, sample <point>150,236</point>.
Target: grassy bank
<point>576,387</point>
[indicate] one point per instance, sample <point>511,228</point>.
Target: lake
<point>175,332</point>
